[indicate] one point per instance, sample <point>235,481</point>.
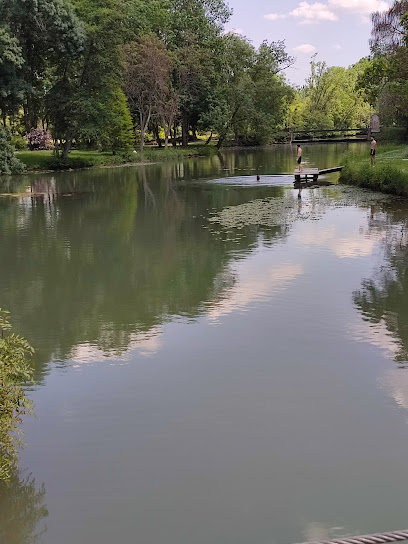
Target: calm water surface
<point>217,362</point>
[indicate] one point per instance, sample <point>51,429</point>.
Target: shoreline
<point>389,175</point>
<point>45,162</point>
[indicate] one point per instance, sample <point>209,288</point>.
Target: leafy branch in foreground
<point>15,370</point>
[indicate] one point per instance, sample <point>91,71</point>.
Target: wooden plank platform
<point>329,170</point>
<point>313,173</point>
<point>306,173</point>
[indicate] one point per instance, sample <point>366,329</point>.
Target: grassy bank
<point>46,160</point>
<point>389,175</point>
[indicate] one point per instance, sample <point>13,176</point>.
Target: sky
<point>337,30</point>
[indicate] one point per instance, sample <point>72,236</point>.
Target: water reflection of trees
<point>383,299</point>
<point>103,255</point>
<point>22,510</point>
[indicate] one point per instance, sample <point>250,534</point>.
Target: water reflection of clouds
<point>395,382</point>
<point>254,282</point>
<point>146,344</point>
<point>378,335</point>
<point>344,246</point>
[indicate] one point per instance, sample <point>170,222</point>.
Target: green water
<point>217,361</point>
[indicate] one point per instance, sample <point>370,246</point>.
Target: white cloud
<point>274,16</point>
<point>313,13</point>
<point>317,12</point>
<point>305,49</point>
<point>358,6</point>
<point>337,47</point>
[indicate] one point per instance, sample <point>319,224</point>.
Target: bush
<point>392,134</point>
<point>384,178</point>
<point>9,164</point>
<point>38,139</point>
<point>15,370</point>
<point>18,142</point>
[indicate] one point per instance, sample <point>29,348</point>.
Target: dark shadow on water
<point>22,510</point>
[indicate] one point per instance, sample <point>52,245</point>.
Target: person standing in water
<point>372,151</point>
<point>299,158</point>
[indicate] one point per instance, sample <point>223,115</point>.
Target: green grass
<point>46,160</point>
<point>389,175</point>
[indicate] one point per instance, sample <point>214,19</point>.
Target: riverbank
<point>389,175</point>
<point>46,160</point>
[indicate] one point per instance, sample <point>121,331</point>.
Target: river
<point>217,360</point>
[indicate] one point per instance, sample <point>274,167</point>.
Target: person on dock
<point>258,178</point>
<point>372,151</point>
<point>299,158</point>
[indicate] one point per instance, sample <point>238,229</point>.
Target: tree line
<point>384,80</point>
<point>104,72</point>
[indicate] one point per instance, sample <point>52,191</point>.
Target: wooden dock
<point>313,173</point>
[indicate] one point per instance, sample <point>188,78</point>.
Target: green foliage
<point>385,79</point>
<point>392,134</point>
<point>9,164</point>
<point>390,175</point>
<point>330,99</point>
<point>15,370</point>
<point>119,134</point>
<point>46,160</point>
<point>373,78</point>
<point>64,65</point>
<point>18,142</point>
<point>250,101</point>
<point>11,82</point>
<point>49,35</point>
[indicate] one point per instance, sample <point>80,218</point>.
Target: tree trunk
<point>209,139</point>
<point>173,139</point>
<point>67,148</point>
<point>221,138</point>
<point>144,122</point>
<point>26,119</point>
<point>156,134</point>
<point>56,148</point>
<point>142,135</point>
<point>167,131</point>
<point>184,129</point>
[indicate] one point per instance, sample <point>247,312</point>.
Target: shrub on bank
<point>15,370</point>
<point>385,178</point>
<point>392,134</point>
<point>9,164</point>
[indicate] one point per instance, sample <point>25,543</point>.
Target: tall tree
<point>11,82</point>
<point>48,33</point>
<point>193,36</point>
<point>330,98</point>
<point>385,79</point>
<point>146,79</point>
<point>84,86</point>
<point>249,101</point>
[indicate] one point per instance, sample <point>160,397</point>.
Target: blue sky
<point>338,30</point>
